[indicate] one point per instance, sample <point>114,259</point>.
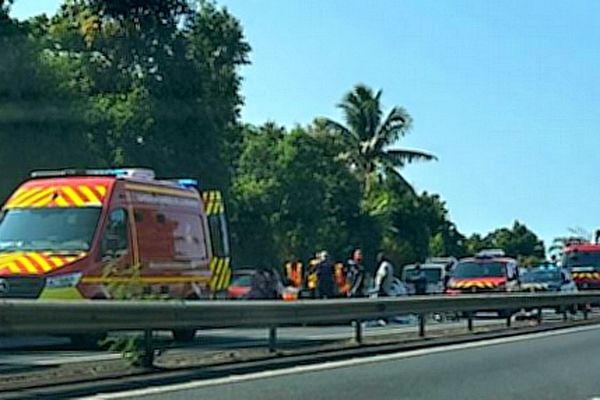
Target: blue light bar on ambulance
<point>188,183</point>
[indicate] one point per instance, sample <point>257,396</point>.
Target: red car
<point>241,282</point>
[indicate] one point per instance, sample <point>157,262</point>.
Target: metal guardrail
<point>71,317</point>
<point>56,317</point>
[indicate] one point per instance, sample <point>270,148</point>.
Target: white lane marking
<point>330,365</point>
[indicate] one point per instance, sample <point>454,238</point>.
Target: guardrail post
<point>148,359</point>
<point>470,322</point>
<point>272,339</point>
<point>422,325</point>
<point>358,331</point>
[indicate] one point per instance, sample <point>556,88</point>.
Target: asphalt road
<point>555,365</point>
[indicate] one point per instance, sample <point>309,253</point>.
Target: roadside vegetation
<point>157,83</point>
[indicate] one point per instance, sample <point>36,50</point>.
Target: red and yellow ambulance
<point>118,233</point>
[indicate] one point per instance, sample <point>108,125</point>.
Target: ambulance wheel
<point>89,341</point>
<point>184,335</point>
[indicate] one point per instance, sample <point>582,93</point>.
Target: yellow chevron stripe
<point>16,199</point>
<point>61,202</point>
<point>213,263</point>
<point>73,196</point>
<point>101,189</point>
<point>57,261</point>
<point>36,197</point>
<point>214,279</point>
<point>226,275</point>
<point>40,261</point>
<point>221,274</point>
<point>92,198</point>
<point>208,203</point>
<point>28,265</point>
<point>44,201</point>
<point>12,267</point>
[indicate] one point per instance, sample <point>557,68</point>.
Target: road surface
<point>550,365</point>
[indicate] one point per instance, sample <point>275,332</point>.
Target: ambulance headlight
<point>63,281</point>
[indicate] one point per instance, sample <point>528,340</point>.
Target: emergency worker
<point>341,282</point>
<point>325,276</point>
<point>311,277</point>
<point>293,270</point>
<point>419,280</point>
<point>355,274</point>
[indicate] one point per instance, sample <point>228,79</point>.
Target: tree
<point>40,117</point>
<point>517,241</point>
<point>162,79</point>
<point>292,197</point>
<point>414,226</point>
<point>367,137</point>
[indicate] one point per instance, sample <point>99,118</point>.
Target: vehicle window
<point>472,269</point>
<point>432,274</point>
<point>50,229</point>
<point>219,235</point>
<point>540,275</point>
<point>242,280</point>
<point>168,236</point>
<point>115,237</point>
<point>582,259</point>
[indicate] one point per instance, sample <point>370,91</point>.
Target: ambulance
<point>113,234</point>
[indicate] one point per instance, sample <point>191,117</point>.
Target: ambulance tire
<point>89,341</point>
<point>184,335</point>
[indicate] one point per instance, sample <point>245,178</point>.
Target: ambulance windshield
<point>48,229</point>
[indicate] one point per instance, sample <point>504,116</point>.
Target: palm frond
<point>336,128</point>
<point>397,123</point>
<point>391,171</point>
<point>401,157</point>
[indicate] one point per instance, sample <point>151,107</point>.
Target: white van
<point>435,273</point>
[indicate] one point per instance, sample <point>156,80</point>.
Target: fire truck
<point>583,262</point>
<point>113,234</point>
<point>490,271</point>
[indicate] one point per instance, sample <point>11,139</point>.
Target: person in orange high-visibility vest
<point>311,276</point>
<point>294,274</point>
<point>340,279</point>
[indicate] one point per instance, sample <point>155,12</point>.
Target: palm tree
<point>576,235</point>
<point>367,137</point>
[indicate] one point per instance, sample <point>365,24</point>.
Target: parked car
<point>241,282</point>
<point>548,277</point>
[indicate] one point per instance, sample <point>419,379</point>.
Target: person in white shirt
<point>384,276</point>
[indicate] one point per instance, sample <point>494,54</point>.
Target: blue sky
<point>506,94</point>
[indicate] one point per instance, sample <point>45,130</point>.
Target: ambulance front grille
<point>21,287</point>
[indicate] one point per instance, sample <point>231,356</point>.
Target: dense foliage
<point>157,83</point>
